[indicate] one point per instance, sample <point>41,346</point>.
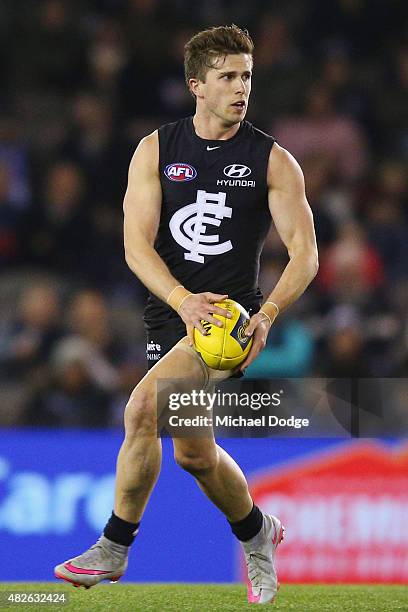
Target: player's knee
<point>140,414</point>
<point>197,463</point>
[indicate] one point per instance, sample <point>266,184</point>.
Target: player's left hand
<point>258,328</point>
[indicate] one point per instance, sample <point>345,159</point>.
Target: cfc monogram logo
<point>188,226</point>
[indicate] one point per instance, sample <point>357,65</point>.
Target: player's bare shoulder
<point>146,156</point>
<point>284,172</point>
<point>143,191</point>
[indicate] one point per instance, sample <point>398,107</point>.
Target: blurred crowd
<point>82,82</point>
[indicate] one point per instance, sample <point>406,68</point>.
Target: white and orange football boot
<point>105,560</point>
<point>260,552</point>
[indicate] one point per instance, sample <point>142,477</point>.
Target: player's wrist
<point>177,297</point>
<point>183,300</point>
<point>270,311</point>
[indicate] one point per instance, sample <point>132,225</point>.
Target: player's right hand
<point>201,306</point>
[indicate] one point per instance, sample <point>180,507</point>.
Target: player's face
<point>226,89</point>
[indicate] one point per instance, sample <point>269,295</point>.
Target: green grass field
<point>208,597</point>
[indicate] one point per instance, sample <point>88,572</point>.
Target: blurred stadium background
<point>81,83</point>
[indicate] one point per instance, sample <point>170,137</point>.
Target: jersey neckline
<point>220,143</point>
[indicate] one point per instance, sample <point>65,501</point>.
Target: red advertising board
<point>345,512</point>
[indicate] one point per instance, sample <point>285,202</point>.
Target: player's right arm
<point>142,207</point>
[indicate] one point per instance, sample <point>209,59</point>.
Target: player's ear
<point>195,87</point>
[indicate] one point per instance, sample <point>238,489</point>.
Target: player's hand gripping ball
<point>224,348</point>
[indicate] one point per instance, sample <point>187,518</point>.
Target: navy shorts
<point>162,338</point>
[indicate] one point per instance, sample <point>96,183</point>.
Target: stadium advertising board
<point>348,513</point>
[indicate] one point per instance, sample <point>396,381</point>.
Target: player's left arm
<point>293,220</point>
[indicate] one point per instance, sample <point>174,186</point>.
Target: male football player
<point>201,194</point>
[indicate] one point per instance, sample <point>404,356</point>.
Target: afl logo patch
<point>180,172</point>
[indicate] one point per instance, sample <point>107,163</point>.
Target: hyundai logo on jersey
<point>237,171</point>
<point>180,172</point>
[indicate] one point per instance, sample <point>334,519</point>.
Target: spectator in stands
<point>48,53</point>
<point>29,337</point>
<point>71,397</point>
<point>89,319</point>
<point>345,352</point>
<point>94,145</point>
<point>57,229</point>
<point>107,55</point>
<point>387,231</point>
<point>319,129</point>
<point>278,61</point>
<point>352,270</point>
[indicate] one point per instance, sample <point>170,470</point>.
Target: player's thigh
<point>180,370</point>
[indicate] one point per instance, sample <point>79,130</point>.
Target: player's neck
<point>211,128</point>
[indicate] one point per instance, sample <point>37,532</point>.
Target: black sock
<point>248,527</point>
<point>120,531</point>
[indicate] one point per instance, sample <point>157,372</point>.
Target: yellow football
<point>224,348</point>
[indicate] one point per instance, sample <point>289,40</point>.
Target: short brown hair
<point>201,52</point>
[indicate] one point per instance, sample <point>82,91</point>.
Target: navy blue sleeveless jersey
<point>214,216</point>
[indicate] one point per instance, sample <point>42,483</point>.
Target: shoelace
<point>257,564</point>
